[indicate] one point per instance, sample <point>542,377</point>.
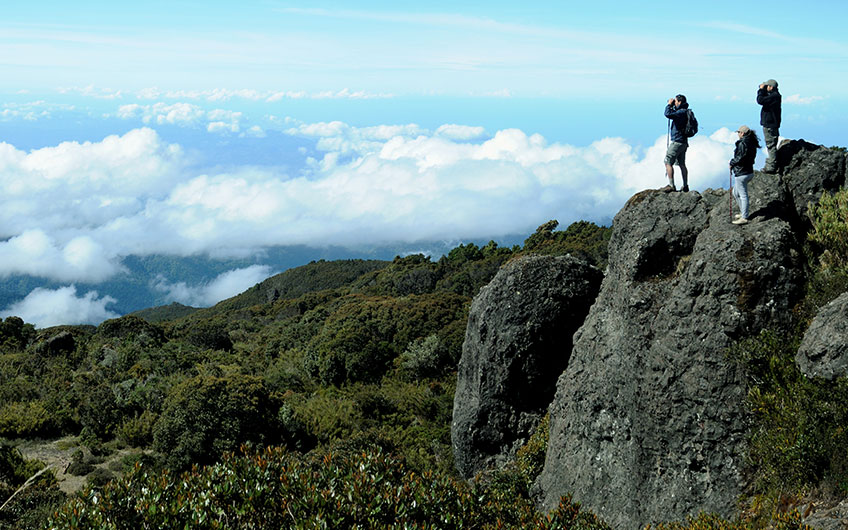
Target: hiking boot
<point>738,216</point>
<point>740,221</point>
<point>685,188</point>
<point>667,188</point>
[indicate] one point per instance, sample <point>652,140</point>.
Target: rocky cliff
<point>517,342</point>
<point>648,421</point>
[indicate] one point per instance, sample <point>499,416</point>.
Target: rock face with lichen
<point>824,350</point>
<point>517,342</point>
<point>648,422</point>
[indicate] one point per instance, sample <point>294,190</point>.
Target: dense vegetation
<point>333,358</point>
<point>799,439</point>
<point>278,489</point>
<point>328,404</point>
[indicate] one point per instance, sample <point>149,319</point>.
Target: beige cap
<point>744,129</point>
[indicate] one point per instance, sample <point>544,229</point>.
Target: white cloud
<point>460,132</point>
<point>47,307</point>
<point>797,99</point>
<point>93,92</point>
<point>255,132</point>
<point>72,212</point>
<point>226,285</point>
<point>69,190</point>
<point>184,115</point>
<point>32,111</point>
<point>81,258</point>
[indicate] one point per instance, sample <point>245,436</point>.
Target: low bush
<point>277,489</point>
<point>25,420</point>
<point>581,239</point>
<point>798,438</point>
<point>206,415</point>
<point>30,506</point>
<point>137,431</point>
<point>782,521</point>
<point>830,230</point>
<point>15,334</point>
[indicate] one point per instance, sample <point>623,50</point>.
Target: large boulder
<point>517,342</point>
<point>649,422</point>
<point>808,170</point>
<point>824,349</point>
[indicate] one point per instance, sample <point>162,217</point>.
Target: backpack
<point>691,128</point>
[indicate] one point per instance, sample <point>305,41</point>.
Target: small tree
<point>207,415</point>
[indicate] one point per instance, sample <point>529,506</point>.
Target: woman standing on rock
<point>742,166</point>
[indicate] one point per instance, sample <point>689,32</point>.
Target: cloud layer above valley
<point>73,211</point>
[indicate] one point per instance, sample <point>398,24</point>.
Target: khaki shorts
<point>676,154</point>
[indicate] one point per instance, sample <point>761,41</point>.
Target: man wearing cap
<point>769,98</point>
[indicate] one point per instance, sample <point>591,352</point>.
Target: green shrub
<point>422,359</point>
<point>204,416</point>
<point>277,489</point>
<point>798,437</point>
<point>516,478</point>
<point>581,239</point>
<point>30,506</point>
<point>782,521</point>
<point>80,465</point>
<point>99,477</point>
<point>329,414</point>
<point>15,334</point>
<point>132,329</point>
<point>830,230</point>
<point>360,340</point>
<point>14,468</point>
<point>100,414</point>
<point>25,420</point>
<point>137,431</point>
<point>287,374</point>
<point>208,334</point>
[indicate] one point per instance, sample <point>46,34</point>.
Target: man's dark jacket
<point>770,113</point>
<point>744,155</point>
<point>678,117</point>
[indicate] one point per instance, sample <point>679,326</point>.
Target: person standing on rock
<point>769,98</point>
<point>676,112</point>
<point>742,166</point>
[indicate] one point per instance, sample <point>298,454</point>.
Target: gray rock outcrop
<point>518,340</point>
<point>649,423</point>
<point>62,342</point>
<point>824,349</point>
<point>808,170</point>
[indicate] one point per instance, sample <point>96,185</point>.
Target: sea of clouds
<point>72,212</point>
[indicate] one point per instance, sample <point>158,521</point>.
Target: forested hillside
<point>329,358</point>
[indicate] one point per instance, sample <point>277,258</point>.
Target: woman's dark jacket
<point>770,113</point>
<point>679,117</point>
<point>744,155</point>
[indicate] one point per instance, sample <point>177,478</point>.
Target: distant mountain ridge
<point>143,284</point>
<point>295,282</point>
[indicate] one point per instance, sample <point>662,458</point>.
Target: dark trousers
<point>771,134</point>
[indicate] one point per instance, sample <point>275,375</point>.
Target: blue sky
<point>222,128</point>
